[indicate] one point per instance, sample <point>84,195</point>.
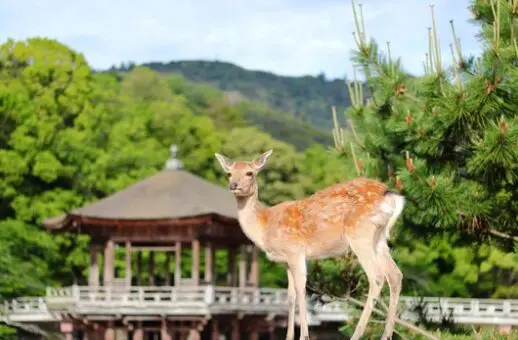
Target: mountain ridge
<point>307,98</point>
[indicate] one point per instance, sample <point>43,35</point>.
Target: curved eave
<point>57,222</point>
<point>72,222</point>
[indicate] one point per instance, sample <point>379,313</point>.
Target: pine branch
<point>355,136</point>
<point>514,12</point>
<point>436,44</point>
<point>503,235</point>
<point>496,25</point>
<point>338,133</point>
<point>456,55</point>
<point>356,166</point>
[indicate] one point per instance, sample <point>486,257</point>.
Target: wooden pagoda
<point>169,214</point>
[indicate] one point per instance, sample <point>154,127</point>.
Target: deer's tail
<point>397,203</point>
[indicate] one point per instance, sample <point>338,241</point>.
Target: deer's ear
<point>225,162</point>
<point>260,161</point>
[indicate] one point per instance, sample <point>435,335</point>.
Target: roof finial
<point>173,163</point>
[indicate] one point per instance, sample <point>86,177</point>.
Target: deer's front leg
<point>299,272</point>
<point>292,299</point>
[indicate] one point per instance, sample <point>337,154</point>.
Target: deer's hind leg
<point>392,272</point>
<point>394,278</point>
<point>365,251</point>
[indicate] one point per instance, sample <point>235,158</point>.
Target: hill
<point>306,98</point>
<point>232,108</point>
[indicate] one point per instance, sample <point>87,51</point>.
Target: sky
<point>286,37</point>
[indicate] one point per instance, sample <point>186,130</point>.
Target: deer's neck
<point>248,214</point>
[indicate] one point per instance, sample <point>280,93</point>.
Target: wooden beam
<point>154,248</point>
<point>157,317</point>
<point>148,239</point>
<point>141,223</point>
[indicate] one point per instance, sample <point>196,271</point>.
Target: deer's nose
<point>232,186</point>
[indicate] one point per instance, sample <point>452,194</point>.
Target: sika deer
<point>356,214</point>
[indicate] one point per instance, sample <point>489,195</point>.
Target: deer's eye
<point>229,174</point>
<point>249,173</point>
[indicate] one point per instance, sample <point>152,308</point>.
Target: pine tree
<point>448,140</point>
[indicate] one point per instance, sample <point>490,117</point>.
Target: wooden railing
<point>435,309</point>
<point>24,305</point>
<point>206,300</point>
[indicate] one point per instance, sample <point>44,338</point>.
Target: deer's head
<point>242,174</point>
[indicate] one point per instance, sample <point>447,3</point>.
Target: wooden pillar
<point>172,330</point>
<point>214,333</point>
<point>232,269</point>
<point>254,267</point>
<point>108,263</point>
<point>235,335</point>
<point>128,263</point>
<point>194,332</point>
<point>195,270</point>
<point>178,264</point>
<point>67,328</point>
<point>109,332</point>
<point>209,263</point>
<point>138,333</point>
<point>242,267</point>
<point>151,273</point>
<point>167,269</point>
<point>93,274</point>
<point>272,333</point>
<point>93,334</point>
<point>164,331</point>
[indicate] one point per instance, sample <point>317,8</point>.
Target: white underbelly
<point>326,249</point>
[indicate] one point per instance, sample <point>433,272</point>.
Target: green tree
<point>447,141</point>
<point>71,137</point>
<point>44,88</point>
<point>451,134</point>
<point>27,255</point>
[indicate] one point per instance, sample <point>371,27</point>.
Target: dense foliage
<point>306,98</point>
